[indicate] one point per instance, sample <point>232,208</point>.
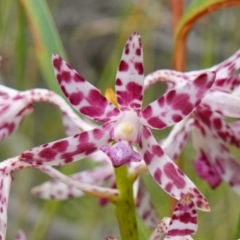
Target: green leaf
<point>46,38</point>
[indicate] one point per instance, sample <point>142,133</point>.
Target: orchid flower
<point>210,132</point>
<point>128,123</point>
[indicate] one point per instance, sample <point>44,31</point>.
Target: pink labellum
<point>167,174</point>
<point>68,149</point>
<point>20,235</point>
<point>176,104</point>
<point>184,219</point>
<point>121,153</point>
<point>145,208</point>
<point>83,96</point>
<point>130,75</point>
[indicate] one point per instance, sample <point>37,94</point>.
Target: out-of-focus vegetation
<point>92,34</point>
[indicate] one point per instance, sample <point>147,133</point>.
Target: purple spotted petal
<point>14,106</point>
<point>166,173</point>
<point>129,79</point>
<point>5,183</point>
<point>218,154</point>
<point>176,104</point>
<point>177,139</point>
<point>121,153</point>
<point>207,171</point>
<point>110,238</point>
<point>215,121</point>
<point>68,149</point>
<point>224,72</point>
<point>161,229</point>
<point>145,208</point>
<point>184,219</point>
<point>12,112</point>
<point>20,235</point>
<point>83,96</point>
<point>60,191</point>
<point>225,103</point>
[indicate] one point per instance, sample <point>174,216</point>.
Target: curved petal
<point>5,184</point>
<point>219,155</point>
<point>20,235</point>
<point>145,208</point>
<point>224,72</point>
<point>12,111</point>
<point>184,219</point>
<point>223,102</point>
<point>130,74</point>
<point>171,77</point>
<point>176,104</point>
<point>214,121</point>
<point>168,176</point>
<point>83,96</point>
<point>206,170</point>
<point>161,229</point>
<point>177,139</point>
<point>60,191</point>
<point>68,149</point>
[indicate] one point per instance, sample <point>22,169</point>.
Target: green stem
<point>125,205</point>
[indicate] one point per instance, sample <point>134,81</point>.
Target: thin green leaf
<point>21,48</point>
<point>45,36</point>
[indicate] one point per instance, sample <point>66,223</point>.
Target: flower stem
<point>125,205</point>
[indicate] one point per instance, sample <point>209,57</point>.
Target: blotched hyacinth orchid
<point>210,132</point>
<point>128,124</point>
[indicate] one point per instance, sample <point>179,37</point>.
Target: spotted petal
<point>12,112</point>
<point>68,149</point>
<point>166,173</point>
<point>5,183</point>
<point>177,139</point>
<point>161,229</point>
<point>224,72</point>
<point>176,104</point>
<point>225,103</point>
<point>20,235</point>
<point>60,191</point>
<point>129,79</point>
<point>145,208</point>
<point>83,96</point>
<point>219,155</point>
<point>184,219</point>
<point>207,171</point>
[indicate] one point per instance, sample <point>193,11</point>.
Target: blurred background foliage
<point>91,35</point>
